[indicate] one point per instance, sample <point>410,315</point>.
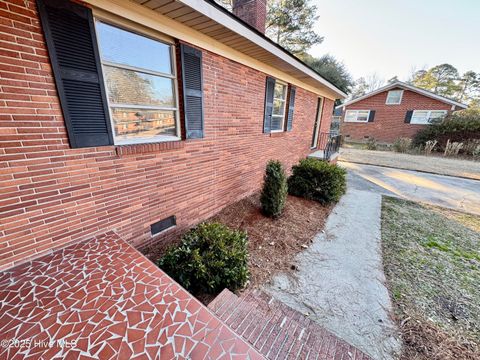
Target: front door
<point>318,121</point>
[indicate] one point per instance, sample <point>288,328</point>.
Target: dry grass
<point>431,164</point>
<point>432,264</point>
<point>424,340</point>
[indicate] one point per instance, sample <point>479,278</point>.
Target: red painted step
<point>277,331</point>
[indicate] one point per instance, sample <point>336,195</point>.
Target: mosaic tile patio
<point>101,299</point>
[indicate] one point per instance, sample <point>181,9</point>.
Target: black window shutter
<point>291,106</point>
<point>192,91</point>
<point>408,116</point>
<point>371,116</point>
<point>70,35</point>
<point>269,89</point>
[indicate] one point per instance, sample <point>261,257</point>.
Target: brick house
<point>141,117</point>
<point>123,123</point>
<point>393,111</point>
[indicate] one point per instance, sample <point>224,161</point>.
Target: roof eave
<point>401,84</point>
<point>222,16</point>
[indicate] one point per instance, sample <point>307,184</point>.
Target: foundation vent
<point>163,225</point>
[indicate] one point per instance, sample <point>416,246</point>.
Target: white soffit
<point>212,21</point>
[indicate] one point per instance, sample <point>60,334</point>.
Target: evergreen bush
<point>317,180</point>
<point>209,258</point>
<point>274,192</point>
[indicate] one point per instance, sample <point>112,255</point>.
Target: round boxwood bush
<point>210,257</point>
<point>274,192</point>
<point>317,180</point>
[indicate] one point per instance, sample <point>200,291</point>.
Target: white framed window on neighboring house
<point>394,97</point>
<point>357,115</point>
<point>140,79</point>
<point>279,106</point>
<point>424,117</point>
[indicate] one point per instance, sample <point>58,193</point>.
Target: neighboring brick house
<point>393,111</point>
<point>140,116</point>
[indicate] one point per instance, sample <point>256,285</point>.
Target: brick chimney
<point>253,12</point>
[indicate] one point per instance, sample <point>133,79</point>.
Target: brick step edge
<point>277,330</point>
<point>316,337</point>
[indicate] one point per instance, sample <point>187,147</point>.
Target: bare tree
<point>367,84</point>
<point>374,81</point>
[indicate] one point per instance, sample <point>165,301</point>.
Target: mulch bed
<point>273,243</point>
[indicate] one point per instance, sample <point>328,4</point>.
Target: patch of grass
<point>432,264</point>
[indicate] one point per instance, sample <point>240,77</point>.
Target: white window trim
<point>356,116</point>
<point>429,112</point>
<point>139,140</point>
<point>173,76</point>
<point>399,100</point>
<point>284,105</point>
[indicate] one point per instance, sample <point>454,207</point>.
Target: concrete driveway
<point>447,191</point>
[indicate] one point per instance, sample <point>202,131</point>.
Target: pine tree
<point>290,23</point>
<point>331,69</point>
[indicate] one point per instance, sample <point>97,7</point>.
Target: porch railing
<point>330,143</point>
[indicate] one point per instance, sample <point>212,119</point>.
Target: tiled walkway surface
<point>102,299</point>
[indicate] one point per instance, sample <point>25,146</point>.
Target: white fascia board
<point>220,17</point>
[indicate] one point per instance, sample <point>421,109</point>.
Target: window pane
<point>135,88</point>
<point>394,97</point>
<point>278,107</point>
<point>277,123</point>
<point>124,47</point>
<point>420,114</point>
<point>419,117</point>
<point>130,124</point>
<point>350,115</point>
<point>280,91</point>
<point>362,116</point>
<point>437,114</point>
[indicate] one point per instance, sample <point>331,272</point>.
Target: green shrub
<point>210,257</point>
<point>402,145</point>
<point>456,128</point>
<point>274,192</point>
<point>317,180</point>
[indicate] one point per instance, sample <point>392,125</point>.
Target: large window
<point>394,97</point>
<point>140,80</point>
<point>279,103</point>
<point>427,116</point>
<point>357,115</point>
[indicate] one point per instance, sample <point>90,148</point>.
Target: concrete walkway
<point>447,191</point>
<point>340,282</point>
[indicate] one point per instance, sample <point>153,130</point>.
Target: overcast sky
<point>390,37</point>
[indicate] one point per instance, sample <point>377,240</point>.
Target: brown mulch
<point>423,340</point>
<point>273,243</point>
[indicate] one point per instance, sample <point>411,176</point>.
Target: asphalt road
<point>447,191</point>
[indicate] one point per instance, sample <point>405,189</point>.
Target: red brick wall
<point>51,194</point>
<point>389,119</point>
<point>253,12</point>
